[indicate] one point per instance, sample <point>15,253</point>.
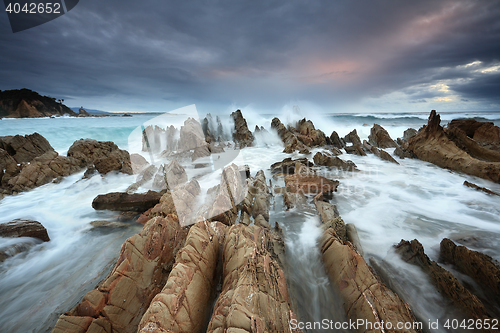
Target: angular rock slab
<point>140,273</point>
<point>183,304</point>
<point>254,295</point>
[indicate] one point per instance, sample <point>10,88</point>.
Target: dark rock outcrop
<point>24,228</point>
<point>335,162</point>
<point>104,155</point>
<point>355,149</point>
<point>336,141</point>
<point>353,138</point>
<point>482,268</point>
<point>25,148</point>
<point>309,135</point>
<point>121,201</point>
<point>380,138</point>
<point>433,145</point>
<point>484,133</point>
<point>25,103</point>
<point>413,253</point>
<point>241,134</point>
<point>287,166</point>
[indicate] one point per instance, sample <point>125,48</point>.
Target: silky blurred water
<point>385,201</point>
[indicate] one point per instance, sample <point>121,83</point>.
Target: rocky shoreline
<point>220,266</point>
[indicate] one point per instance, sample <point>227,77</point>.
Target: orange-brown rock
<point>482,268</point>
<point>121,201</point>
<point>484,133</point>
<point>379,137</point>
<point>106,156</point>
<point>141,272</point>
<point>183,304</point>
<point>241,134</point>
<point>334,162</point>
<point>310,183</point>
<point>413,252</point>
<point>254,295</point>
<point>432,144</point>
<point>289,139</point>
<point>364,295</point>
<point>24,228</point>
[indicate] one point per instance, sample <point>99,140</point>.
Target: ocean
<point>385,201</point>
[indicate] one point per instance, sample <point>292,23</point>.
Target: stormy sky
<point>332,56</point>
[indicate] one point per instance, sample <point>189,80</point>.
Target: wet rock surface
<point>432,144</point>
<point>141,272</point>
<point>479,188</point>
<point>379,137</point>
<point>335,162</point>
<point>254,295</point>
<point>122,201</point>
<point>482,268</point>
<point>183,304</point>
<point>413,252</point>
<point>24,228</point>
<point>241,134</point>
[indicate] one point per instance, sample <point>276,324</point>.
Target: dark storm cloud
<point>163,53</point>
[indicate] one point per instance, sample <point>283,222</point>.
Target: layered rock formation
<point>25,103</point>
<point>105,156</point>
<point>302,138</point>
<point>380,138</point>
<point>141,272</point>
<point>435,145</point>
<point>241,135</point>
<point>484,133</point>
<point>122,201</point>
<point>254,295</point>
<point>183,304</point>
<point>24,228</point>
<point>364,295</point>
<point>335,162</point>
<point>482,268</point>
<point>413,252</point>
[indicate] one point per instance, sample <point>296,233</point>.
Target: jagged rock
<point>336,140</point>
<point>24,228</point>
<point>413,253</point>
<point>175,174</point>
<point>152,138</point>
<point>289,139</point>
<point>254,295</point>
<point>257,201</point>
<point>380,138</point>
<point>471,147</point>
<point>25,148</point>
<point>355,149</point>
<point>403,152</point>
<point>241,134</point>
<point>310,184</point>
<point>478,188</point>
<point>484,133</point>
<point>184,302</point>
<point>42,170</point>
<point>121,201</point>
<point>191,135</point>
<point>140,273</point>
<point>482,268</point>
<point>335,162</point>
<point>287,166</point>
<point>309,135</point>
<point>431,144</point>
<point>353,138</point>
<point>387,157</point>
<point>364,295</point>
<point>106,156</point>
<point>408,134</point>
<point>138,163</point>
<point>8,168</point>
